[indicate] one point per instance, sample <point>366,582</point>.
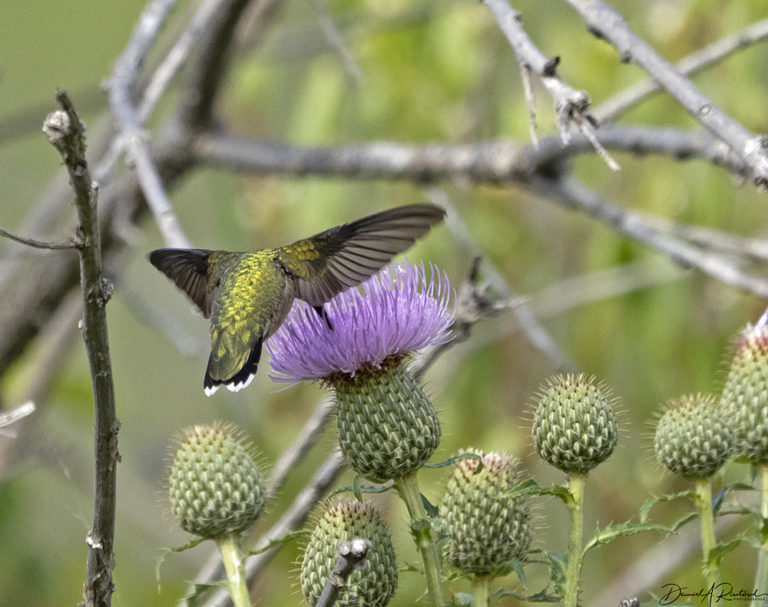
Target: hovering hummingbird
<point>248,295</point>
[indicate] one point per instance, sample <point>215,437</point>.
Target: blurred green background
<point>431,71</point>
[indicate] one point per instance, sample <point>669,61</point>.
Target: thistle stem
<point>575,552</point>
<point>481,590</point>
<point>234,565</point>
<point>421,529</point>
<point>704,502</point>
<point>761,575</point>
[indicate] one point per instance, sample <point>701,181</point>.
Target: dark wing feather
<point>188,268</point>
<point>346,255</point>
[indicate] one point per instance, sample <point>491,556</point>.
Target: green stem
<point>234,565</point>
<point>704,501</point>
<point>421,529</point>
<point>481,590</point>
<point>761,575</point>
<point>575,551</point>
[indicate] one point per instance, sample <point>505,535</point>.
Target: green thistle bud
<point>388,427</point>
<point>374,584</point>
<point>215,487</point>
<point>487,528</point>
<point>693,438</point>
<point>745,395</point>
<point>574,427</point>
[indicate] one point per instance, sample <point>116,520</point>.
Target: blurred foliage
<point>431,71</point>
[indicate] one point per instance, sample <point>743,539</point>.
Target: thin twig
<point>615,106</point>
<point>490,162</point>
<point>534,332</point>
<point>351,556</point>
<point>39,244</point>
<point>8,418</point>
<point>570,104</point>
<point>66,133</point>
<point>336,42</point>
<point>605,22</point>
<point>575,195</point>
<point>121,87</point>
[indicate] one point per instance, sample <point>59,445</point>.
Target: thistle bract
<point>574,427</point>
<point>486,527</point>
<point>745,395</point>
<point>372,585</point>
<point>693,438</point>
<point>215,487</point>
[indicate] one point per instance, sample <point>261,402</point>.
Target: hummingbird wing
<point>188,268</point>
<point>345,256</point>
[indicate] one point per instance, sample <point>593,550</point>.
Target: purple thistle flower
<point>400,310</point>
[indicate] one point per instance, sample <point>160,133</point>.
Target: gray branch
<point>121,85</point>
<point>352,555</point>
<point>605,22</point>
<point>493,162</point>
<point>570,104</point>
<point>66,133</point>
<point>575,195</point>
<point>612,108</point>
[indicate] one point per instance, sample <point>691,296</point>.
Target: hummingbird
<point>247,295</point>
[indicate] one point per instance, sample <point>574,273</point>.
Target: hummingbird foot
<point>323,313</point>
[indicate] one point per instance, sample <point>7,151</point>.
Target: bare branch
<point>336,42</point>
<point>208,72</point>
<point>494,162</point>
<point>8,418</point>
<point>573,194</point>
<point>705,57</point>
<point>534,332</point>
<point>40,244</point>
<point>605,22</point>
<point>570,104</point>
<point>351,556</point>
<point>65,131</point>
<point>121,87</point>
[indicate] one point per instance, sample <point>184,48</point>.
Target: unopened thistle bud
<point>372,585</point>
<point>215,487</point>
<point>693,438</point>
<point>388,428</point>
<point>574,427</point>
<point>486,527</point>
<point>745,395</point>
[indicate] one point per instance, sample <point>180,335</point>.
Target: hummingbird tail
<point>241,379</point>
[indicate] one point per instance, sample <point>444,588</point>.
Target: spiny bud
<point>388,427</point>
<point>372,585</point>
<point>745,395</point>
<point>215,486</point>
<point>574,427</point>
<point>486,527</point>
<point>693,438</point>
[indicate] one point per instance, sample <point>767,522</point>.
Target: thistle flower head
<point>215,487</point>
<point>402,309</point>
<point>486,527</point>
<point>745,395</point>
<point>374,583</point>
<point>693,438</point>
<point>574,427</point>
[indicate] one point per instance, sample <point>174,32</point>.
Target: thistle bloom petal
<point>400,310</point>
